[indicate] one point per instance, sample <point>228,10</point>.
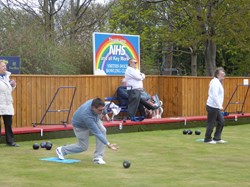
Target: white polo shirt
<point>134,78</point>
<point>215,94</point>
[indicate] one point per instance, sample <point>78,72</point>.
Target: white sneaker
<point>220,141</point>
<point>211,142</point>
<point>59,153</point>
<point>99,161</point>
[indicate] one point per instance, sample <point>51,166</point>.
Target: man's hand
<point>143,75</point>
<point>114,147</point>
<point>107,117</point>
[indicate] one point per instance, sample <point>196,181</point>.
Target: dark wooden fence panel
<point>181,96</point>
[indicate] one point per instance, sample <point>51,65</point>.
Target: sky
<point>102,1</point>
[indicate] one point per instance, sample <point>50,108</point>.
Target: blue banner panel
<point>14,63</point>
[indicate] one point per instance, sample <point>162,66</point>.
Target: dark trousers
<point>147,105</point>
<point>214,115</point>
<point>134,103</point>
<point>7,119</point>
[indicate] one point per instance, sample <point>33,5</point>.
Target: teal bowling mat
<point>200,140</point>
<point>65,161</point>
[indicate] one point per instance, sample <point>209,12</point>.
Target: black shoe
<point>141,118</point>
<point>12,144</point>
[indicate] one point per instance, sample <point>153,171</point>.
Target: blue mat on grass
<point>55,159</point>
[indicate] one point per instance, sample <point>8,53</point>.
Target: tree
<point>202,25</point>
<point>47,38</point>
<point>139,18</point>
<point>55,36</point>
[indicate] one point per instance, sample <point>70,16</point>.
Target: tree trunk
<point>210,45</point>
<point>46,16</point>
<point>210,56</point>
<point>48,9</point>
<point>167,59</point>
<point>194,61</point>
<point>74,9</point>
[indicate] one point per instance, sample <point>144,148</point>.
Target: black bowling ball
<point>42,144</point>
<point>197,132</point>
<point>36,146</point>
<point>48,145</point>
<point>185,131</point>
<point>126,164</point>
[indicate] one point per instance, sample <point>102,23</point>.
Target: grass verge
<point>158,159</point>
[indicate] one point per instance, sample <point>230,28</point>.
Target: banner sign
<point>111,52</point>
<point>14,64</point>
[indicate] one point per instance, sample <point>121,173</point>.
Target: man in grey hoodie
<point>86,119</point>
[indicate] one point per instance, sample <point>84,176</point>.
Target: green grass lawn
<point>158,159</point>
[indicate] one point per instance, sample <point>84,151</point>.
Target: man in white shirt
<point>214,108</point>
<point>134,79</point>
<point>133,76</point>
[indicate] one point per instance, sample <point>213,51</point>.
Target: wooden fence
<point>181,96</point>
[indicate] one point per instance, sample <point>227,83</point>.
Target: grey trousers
<point>214,115</point>
<point>82,135</point>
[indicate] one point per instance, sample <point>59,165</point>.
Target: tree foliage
<point>193,37</point>
<point>199,28</point>
<point>50,36</point>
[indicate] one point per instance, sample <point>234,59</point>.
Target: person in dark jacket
<point>122,93</point>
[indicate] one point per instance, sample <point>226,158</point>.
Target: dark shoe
<point>13,145</point>
<point>141,118</point>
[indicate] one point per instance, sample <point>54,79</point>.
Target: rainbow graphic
<point>104,55</point>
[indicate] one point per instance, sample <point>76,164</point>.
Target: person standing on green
<point>214,107</point>
<point>6,103</point>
